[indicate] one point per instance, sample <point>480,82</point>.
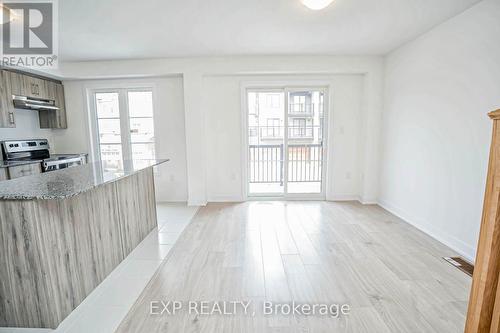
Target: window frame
<point>124,116</point>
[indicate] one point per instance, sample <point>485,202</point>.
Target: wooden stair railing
<point>483,314</point>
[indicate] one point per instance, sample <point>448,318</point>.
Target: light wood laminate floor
<point>391,274</point>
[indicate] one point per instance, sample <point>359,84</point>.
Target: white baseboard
<point>465,250</point>
<point>353,198</point>
<point>368,201</point>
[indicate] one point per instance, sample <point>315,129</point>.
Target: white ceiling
<point>125,29</point>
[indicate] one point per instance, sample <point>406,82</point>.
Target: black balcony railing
<point>266,163</point>
<point>305,163</point>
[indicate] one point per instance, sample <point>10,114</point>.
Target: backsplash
<point>27,127</point>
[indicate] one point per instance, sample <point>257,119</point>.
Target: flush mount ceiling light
<point>316,4</point>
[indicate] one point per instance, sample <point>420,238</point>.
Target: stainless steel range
<point>37,150</point>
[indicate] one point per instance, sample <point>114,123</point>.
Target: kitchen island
<point>63,232</point>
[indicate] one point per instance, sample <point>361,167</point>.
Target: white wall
<point>195,72</point>
<point>171,178</point>
<point>223,121</point>
<point>221,104</point>
<point>436,134</point>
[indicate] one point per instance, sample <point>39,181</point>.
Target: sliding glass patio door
<point>286,142</point>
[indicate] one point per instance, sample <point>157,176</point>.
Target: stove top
<point>35,149</point>
<point>20,152</point>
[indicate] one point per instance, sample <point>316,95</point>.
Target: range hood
<point>23,102</point>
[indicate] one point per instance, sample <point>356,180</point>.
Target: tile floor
<point>104,309</point>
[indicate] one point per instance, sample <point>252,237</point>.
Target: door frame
<point>285,87</point>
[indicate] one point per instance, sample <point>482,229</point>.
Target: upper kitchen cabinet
<point>36,88</point>
<point>29,86</point>
<point>55,118</point>
<point>16,83</point>
<point>6,106</point>
<point>51,89</point>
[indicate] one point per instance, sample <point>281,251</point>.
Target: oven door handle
<point>63,161</point>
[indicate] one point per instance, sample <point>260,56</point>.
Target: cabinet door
<point>43,88</point>
<point>17,84</point>
<point>24,170</point>
<point>35,87</point>
<point>6,105</point>
<point>60,102</point>
<point>51,90</point>
<point>57,118</point>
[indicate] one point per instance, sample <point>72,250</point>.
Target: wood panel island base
<point>62,233</point>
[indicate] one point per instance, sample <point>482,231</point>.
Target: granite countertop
<point>69,182</point>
